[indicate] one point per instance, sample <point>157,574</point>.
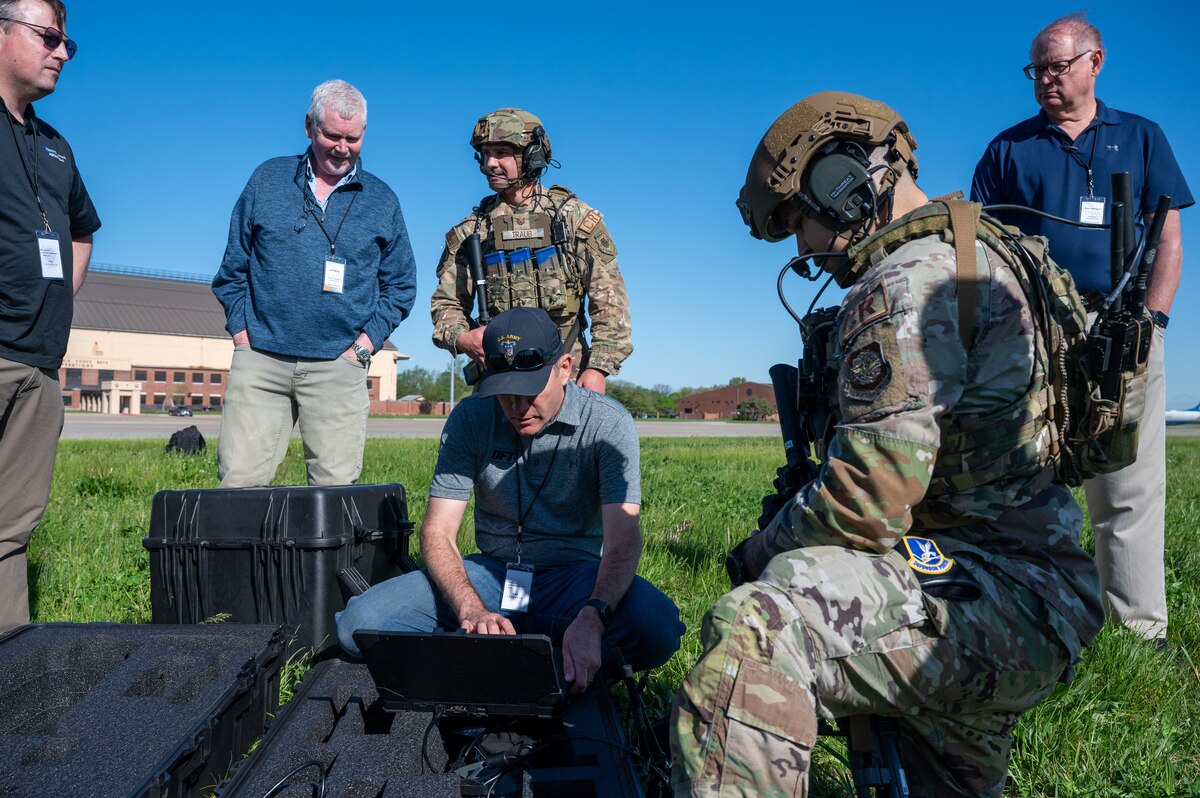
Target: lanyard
<point>523,514</point>
<point>31,177</point>
<point>309,208</point>
<point>1073,151</point>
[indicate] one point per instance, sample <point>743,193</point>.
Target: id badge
<point>50,255</point>
<point>1091,210</point>
<point>518,585</point>
<point>335,274</point>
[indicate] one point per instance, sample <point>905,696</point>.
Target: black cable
<point>275,789</point>
<point>522,758</point>
<point>425,761</point>
<point>802,269</point>
<point>1044,215</point>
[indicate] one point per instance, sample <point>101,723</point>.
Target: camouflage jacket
<point>940,440</point>
<point>593,273</point>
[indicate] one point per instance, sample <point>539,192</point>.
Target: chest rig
<point>1061,429</point>
<point>530,260</point>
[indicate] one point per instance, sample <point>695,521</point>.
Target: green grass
<point>1128,726</point>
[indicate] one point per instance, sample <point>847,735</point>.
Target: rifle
<point>804,411</point>
<point>472,372</point>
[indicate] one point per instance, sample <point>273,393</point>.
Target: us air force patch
<point>869,372</point>
<point>924,557</point>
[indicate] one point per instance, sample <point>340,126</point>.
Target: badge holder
<point>1091,210</point>
<point>335,274</point>
<point>518,586</point>
<point>49,254</point>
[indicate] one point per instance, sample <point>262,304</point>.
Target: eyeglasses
<point>525,360</point>
<point>1055,68</point>
<point>51,37</point>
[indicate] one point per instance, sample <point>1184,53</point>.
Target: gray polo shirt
<point>586,457</point>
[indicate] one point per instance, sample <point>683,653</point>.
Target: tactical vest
<point>531,261</point>
<point>1061,429</point>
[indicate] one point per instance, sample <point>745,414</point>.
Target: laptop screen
<point>455,673</point>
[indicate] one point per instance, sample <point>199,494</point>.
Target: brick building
<point>144,339</point>
<point>723,402</point>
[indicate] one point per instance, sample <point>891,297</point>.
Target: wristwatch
<point>1159,318</point>
<point>605,611</point>
<point>362,353</point>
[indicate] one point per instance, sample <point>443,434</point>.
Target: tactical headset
<point>840,191</point>
<point>533,158</point>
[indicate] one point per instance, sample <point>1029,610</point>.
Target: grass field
<point>1128,726</point>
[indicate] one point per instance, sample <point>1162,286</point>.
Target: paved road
<point>94,425</point>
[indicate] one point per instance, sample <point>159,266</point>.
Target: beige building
<point>153,340</point>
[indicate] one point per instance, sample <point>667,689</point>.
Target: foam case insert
<point>126,709</point>
<point>336,730</point>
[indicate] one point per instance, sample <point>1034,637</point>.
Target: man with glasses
<point>318,272</point>
<point>1061,162</point>
<point>555,472</point>
<point>46,224</point>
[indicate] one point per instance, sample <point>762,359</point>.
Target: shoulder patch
<point>871,379</point>
<point>872,305</point>
<point>588,225</point>
<point>454,238</point>
<point>925,557</point>
<point>869,372</point>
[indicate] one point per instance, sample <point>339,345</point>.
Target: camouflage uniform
<point>837,624</point>
<point>560,291</point>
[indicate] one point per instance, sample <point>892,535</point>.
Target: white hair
<point>338,96</point>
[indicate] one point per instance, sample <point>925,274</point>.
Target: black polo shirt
<point>35,313</point>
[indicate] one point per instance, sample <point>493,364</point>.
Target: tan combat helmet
<point>519,128</point>
<point>785,151</point>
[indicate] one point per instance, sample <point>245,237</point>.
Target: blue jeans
<point>645,627</point>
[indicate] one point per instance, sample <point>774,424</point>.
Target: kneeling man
<point>555,470</point>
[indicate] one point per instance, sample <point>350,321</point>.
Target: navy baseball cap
<point>520,348</point>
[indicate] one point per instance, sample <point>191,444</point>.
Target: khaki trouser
<point>268,394</point>
<point>31,419</point>
<point>1127,511</point>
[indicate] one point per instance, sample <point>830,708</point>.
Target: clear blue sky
<point>653,109</point>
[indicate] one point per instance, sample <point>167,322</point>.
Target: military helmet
<point>790,143</point>
<point>509,126</point>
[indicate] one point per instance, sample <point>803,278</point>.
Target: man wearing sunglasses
<point>46,224</point>
<point>555,473</point>
<point>318,272</point>
<point>1061,162</point>
<point>541,248</point>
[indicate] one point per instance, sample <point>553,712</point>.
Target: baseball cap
<point>520,348</point>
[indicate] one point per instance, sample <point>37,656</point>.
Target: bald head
<point>1083,34</point>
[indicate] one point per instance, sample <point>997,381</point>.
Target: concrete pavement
<point>96,426</point>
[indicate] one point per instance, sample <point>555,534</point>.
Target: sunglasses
<point>51,37</point>
<point>525,360</point>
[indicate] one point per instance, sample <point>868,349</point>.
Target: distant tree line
<point>661,401</point>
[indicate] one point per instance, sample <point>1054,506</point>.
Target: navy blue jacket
<point>270,280</point>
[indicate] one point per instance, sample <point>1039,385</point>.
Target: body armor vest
<point>1060,429</point>
<point>530,261</point>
